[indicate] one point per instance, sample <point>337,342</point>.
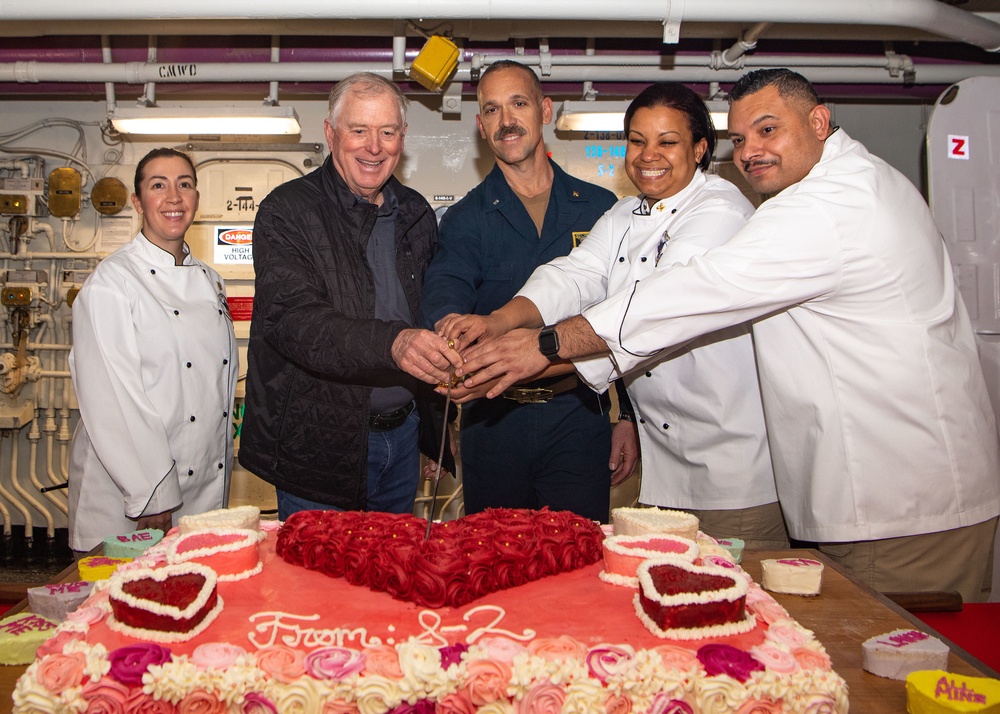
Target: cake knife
<point>444,440</point>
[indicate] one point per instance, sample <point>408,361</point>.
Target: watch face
<point>548,342</point>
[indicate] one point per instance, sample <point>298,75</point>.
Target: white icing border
<point>616,579</point>
<point>248,538</point>
<point>233,577</point>
<point>739,588</point>
<point>161,636</point>
<point>159,575</point>
<point>615,545</point>
<point>694,633</point>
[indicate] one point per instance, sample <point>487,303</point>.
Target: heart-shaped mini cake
<point>680,600</point>
<point>895,654</point>
<point>462,560</point>
<point>641,521</point>
<point>233,553</point>
<point>624,554</point>
<point>172,603</point>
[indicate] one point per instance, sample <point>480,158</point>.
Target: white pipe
<point>109,87</point>
<point>33,437</point>
<point>746,43</point>
<point>399,49</point>
<point>20,164</point>
<point>564,69</point>
<point>930,16</point>
<point>272,97</point>
<point>13,501</point>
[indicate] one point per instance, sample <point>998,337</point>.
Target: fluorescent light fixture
<point>610,116</point>
<point>211,120</point>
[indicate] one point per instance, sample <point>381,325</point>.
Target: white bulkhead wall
<point>444,158</point>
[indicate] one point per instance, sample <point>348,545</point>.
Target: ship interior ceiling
<point>66,172</point>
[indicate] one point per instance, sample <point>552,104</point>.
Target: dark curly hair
<point>676,96</point>
<point>790,85</point>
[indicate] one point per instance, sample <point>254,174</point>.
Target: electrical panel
<point>20,196</point>
<point>64,192</point>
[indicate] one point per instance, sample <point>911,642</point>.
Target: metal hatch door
<point>963,164</point>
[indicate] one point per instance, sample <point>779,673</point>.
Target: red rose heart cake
<point>462,560</point>
<point>172,603</point>
<point>683,601</point>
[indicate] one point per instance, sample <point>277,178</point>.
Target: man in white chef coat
<point>881,431</point>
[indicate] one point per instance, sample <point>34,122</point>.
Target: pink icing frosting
<point>607,660</point>
<point>129,663</point>
<point>216,655</point>
<point>726,659</point>
<point>775,658</point>
<point>664,704</point>
<point>105,695</point>
<point>502,649</point>
<point>59,672</point>
<point>281,662</point>
<point>334,663</point>
<point>542,699</point>
<point>487,681</point>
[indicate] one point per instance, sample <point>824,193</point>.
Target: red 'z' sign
<point>958,147</point>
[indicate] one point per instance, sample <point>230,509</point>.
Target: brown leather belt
<point>389,420</point>
<point>541,391</point>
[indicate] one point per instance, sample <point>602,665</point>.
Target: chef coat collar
<point>671,204</point>
<point>156,254</point>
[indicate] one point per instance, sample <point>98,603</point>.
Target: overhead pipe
<point>564,68</point>
<point>931,16</point>
<point>746,43</point>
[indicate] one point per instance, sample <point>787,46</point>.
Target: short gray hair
<point>365,84</point>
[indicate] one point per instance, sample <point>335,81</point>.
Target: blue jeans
<point>393,474</point>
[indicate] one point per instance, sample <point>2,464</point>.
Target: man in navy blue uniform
<point>547,443</point>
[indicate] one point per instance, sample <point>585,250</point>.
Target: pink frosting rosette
<point>812,659</point>
<point>198,701</point>
<point>87,614</point>
<point>542,699</point>
<point>105,696</point>
<point>605,661</point>
<point>486,680</point>
<point>55,645</point>
<point>141,703</point>
<point>679,658</point>
<point>334,663</point>
<point>786,633</point>
<point>557,649</point>
<point>819,704</point>
<point>761,706</point>
<point>339,706</point>
<point>456,703</point>
<point>728,660</point>
<point>423,706</point>
<point>452,654</point>
<point>216,655</point>
<point>383,661</point>
<point>254,703</point>
<point>59,671</point>
<point>776,659</point>
<point>129,663</point>
<point>617,704</point>
<point>500,648</point>
<point>281,663</point>
<point>665,704</point>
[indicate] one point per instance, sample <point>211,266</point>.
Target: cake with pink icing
<point>232,553</point>
<point>57,600</point>
<point>624,554</point>
<point>895,654</point>
<point>295,639</point>
<point>938,692</point>
<point>643,521</point>
<point>794,576</point>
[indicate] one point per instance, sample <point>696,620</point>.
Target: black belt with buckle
<point>542,391</point>
<point>389,420</point>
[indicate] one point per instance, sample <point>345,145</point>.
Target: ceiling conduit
<point>931,16</point>
<point>896,69</point>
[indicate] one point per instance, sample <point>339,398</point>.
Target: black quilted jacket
<point>315,348</point>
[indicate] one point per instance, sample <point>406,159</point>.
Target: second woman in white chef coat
<point>154,366</point>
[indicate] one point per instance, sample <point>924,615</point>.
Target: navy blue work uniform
<point>517,455</point>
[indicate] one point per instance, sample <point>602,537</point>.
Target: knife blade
<point>444,440</point>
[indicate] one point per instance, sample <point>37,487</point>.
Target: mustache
<point>747,165</point>
<point>510,130</point>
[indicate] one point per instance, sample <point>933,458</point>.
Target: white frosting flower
<point>97,663</point>
<point>584,696</point>
<point>172,680</point>
<point>501,707</point>
<point>422,673</point>
<point>376,694</point>
<point>719,695</point>
<point>303,696</point>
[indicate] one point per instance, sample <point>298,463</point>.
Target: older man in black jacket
<point>334,365</point>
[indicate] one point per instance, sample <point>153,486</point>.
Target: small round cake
<point>624,554</point>
<point>793,576</point>
<point>99,567</point>
<point>243,517</point>
<point>643,521</point>
<point>131,545</point>
<point>938,692</point>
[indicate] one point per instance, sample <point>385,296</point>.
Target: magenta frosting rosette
<point>129,663</point>
<point>726,659</point>
<point>334,663</point>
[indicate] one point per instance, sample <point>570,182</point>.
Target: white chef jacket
<point>154,365</point>
<point>699,417</point>
<point>876,408</point>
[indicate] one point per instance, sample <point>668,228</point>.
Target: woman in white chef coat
<point>154,366</point>
<point>698,410</point>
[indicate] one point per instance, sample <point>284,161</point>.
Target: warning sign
<point>958,147</point>
<point>233,245</point>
